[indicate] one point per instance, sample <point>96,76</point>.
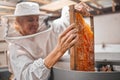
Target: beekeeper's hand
<point>67,39</point>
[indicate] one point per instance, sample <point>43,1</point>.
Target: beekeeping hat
<point>27,8</point>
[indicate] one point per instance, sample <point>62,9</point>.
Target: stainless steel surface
<point>61,71</point>
<point>4,73</point>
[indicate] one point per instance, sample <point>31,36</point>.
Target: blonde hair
<point>17,24</point>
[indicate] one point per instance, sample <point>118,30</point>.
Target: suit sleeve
<point>60,24</point>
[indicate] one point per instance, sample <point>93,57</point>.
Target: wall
<point>107,28</point>
<point>3,48</point>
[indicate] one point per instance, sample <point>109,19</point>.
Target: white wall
<point>107,28</point>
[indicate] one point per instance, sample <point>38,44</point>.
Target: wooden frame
<point>73,50</point>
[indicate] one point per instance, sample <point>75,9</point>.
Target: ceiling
<point>99,6</point>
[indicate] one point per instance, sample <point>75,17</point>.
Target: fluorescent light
<point>7,7</point>
<point>5,13</point>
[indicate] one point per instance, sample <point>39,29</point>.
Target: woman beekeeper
<point>34,47</point>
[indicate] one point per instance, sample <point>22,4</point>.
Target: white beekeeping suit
<point>27,53</point>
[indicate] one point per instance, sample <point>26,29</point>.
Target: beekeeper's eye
<point>30,20</point>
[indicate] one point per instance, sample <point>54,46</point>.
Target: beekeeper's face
<point>28,24</point>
